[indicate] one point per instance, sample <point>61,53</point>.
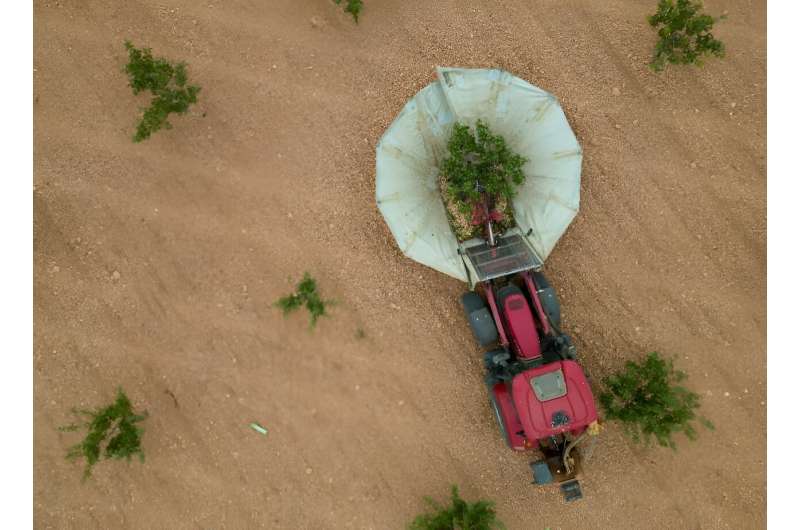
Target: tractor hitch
<point>570,488</point>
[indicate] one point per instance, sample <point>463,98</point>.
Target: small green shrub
<point>168,84</point>
<point>460,515</point>
<point>478,159</point>
<point>112,433</point>
<point>649,401</point>
<point>353,7</point>
<point>684,34</point>
<point>305,294</point>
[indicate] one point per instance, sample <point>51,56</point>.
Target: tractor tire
<point>480,319</point>
<point>472,301</point>
<point>499,417</point>
<point>548,298</point>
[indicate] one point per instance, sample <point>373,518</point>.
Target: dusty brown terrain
<point>156,265</point>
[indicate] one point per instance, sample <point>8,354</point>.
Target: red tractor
<point>539,393</point>
<point>538,390</point>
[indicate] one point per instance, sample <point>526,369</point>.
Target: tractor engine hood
<point>553,399</point>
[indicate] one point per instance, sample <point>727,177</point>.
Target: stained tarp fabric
<point>410,152</point>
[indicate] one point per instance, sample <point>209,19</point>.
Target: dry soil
<point>156,264</point>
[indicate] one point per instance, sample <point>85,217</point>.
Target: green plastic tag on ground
<point>258,428</point>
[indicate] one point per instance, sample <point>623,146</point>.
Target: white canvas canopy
<point>414,145</point>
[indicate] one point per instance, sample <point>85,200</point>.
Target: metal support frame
<point>489,291</point>
<point>533,290</point>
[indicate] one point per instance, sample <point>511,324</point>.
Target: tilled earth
<point>156,265</point>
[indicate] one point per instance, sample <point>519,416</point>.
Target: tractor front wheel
<point>498,416</point>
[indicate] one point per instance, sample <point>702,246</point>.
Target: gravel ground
<point>156,265</point>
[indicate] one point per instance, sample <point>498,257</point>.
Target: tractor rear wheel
<point>480,319</point>
<point>472,301</point>
<point>548,298</point>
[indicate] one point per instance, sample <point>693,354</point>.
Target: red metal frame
<point>489,292</point>
<point>530,283</point>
